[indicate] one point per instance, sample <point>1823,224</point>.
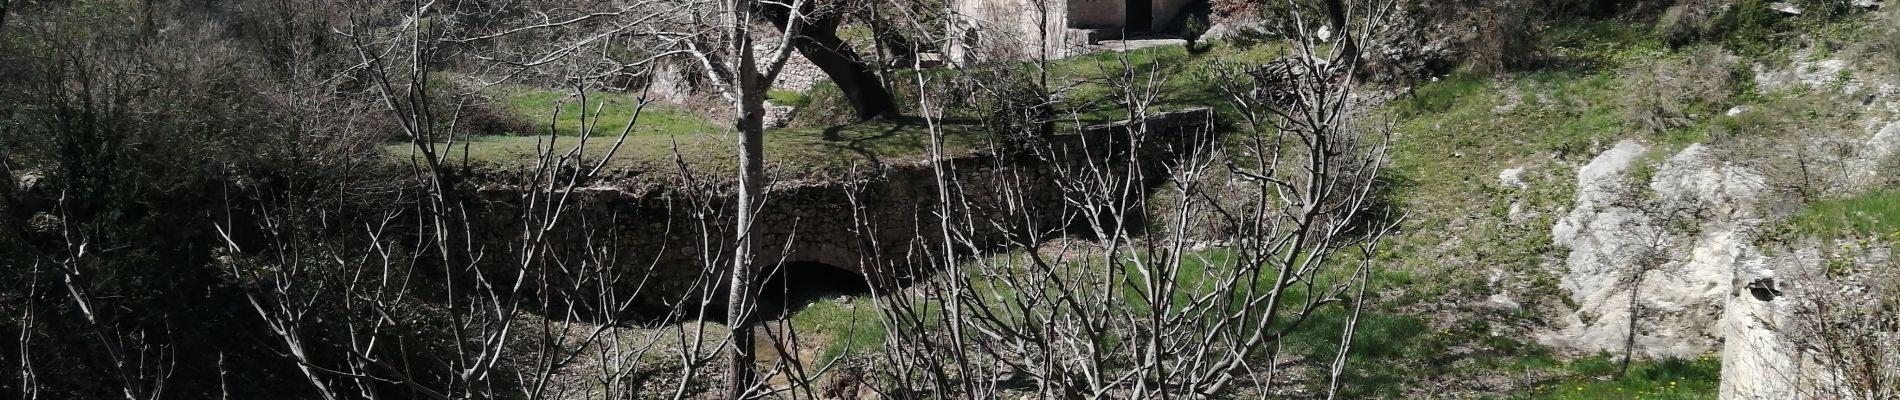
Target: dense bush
<point>121,147</point>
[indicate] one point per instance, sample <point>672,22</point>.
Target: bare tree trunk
<point>750,102</point>
<point>818,41</point>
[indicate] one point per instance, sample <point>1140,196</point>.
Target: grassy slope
<point>1454,136</point>
<point>606,113</point>
<point>1872,214</point>
<point>791,153</point>
<point>1179,79</point>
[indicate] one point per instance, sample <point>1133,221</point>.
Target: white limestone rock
<point>1624,243</point>
<point>1512,178</point>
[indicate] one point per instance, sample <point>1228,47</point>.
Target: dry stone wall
<point>672,245</point>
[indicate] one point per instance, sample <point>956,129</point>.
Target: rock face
<point>1662,255</point>
<point>1677,255</point>
<point>1878,149</point>
<point>1757,362</point>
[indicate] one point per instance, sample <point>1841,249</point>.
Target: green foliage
<point>1440,96</point>
<point>1754,29</point>
<point>825,105</point>
<point>1750,26</point>
<point>1193,29</point>
<point>1601,44</point>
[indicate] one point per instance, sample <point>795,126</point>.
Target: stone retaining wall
<point>673,247</point>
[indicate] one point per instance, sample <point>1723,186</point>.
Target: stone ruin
<point>1030,29</point>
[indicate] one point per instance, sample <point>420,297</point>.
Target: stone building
<point>1027,29</point>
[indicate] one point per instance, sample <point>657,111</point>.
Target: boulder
<point>1661,254</point>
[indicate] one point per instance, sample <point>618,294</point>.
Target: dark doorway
<point>791,286</point>
<point>782,290</point>
<point>1140,16</point>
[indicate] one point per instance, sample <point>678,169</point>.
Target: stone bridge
<point>877,232</point>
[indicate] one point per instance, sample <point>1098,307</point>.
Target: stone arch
<point>790,286</point>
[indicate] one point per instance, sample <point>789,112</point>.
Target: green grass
<point>1596,378</point>
<point>1453,137</point>
<point>1086,82</point>
<point>1601,44</point>
<point>850,326</point>
<point>1870,214</point>
<point>791,153</point>
<point>787,98</point>
<point>603,114</point>
<point>1090,87</point>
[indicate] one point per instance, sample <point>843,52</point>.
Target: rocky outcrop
<point>1664,262</point>
<point>1757,362</point>
<point>1651,263</point>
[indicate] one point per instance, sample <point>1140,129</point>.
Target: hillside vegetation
<point>400,199</point>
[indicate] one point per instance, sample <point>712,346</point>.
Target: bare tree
<point>1124,315</point>
<point>1670,218</point>
<point>1840,322</point>
<point>483,268</point>
<point>726,41</point>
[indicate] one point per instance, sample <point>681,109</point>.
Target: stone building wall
<point>1012,30</point>
<point>1097,13</point>
<point>1015,29</point>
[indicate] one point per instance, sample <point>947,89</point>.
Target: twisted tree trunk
<point>817,39</point>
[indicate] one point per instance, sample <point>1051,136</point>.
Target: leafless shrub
<point>1690,21</point>
<point>1671,94</point>
<point>1008,102</point>
<point>1504,35</point>
<point>1126,315</point>
<point>1884,48</point>
<point>115,139</point>
<point>1841,320</point>
<point>1794,147</point>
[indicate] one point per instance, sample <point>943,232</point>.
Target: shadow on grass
<point>905,135</point>
<point>1379,365</point>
